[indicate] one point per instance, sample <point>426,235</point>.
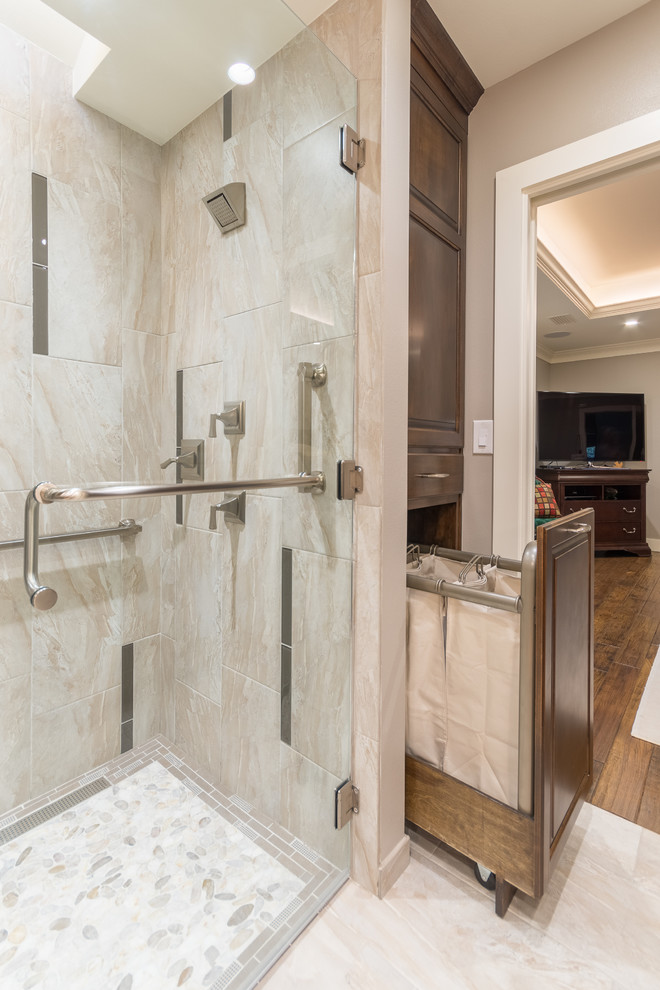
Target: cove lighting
<point>241,73</point>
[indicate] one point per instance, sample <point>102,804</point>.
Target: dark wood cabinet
<point>617,496</point>
<point>443,92</point>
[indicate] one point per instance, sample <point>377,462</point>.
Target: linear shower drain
<point>49,811</point>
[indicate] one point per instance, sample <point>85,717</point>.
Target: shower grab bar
<point>43,597</point>
<point>126,527</point>
<point>525,605</point>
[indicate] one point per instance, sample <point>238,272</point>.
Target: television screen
<point>590,426</point>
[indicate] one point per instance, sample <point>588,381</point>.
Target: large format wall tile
<point>15,210</point>
<point>369,380</point>
<point>14,742</point>
<point>16,396</point>
<point>199,729</point>
<point>253,343</point>
<point>167,664</point>
<point>261,98</point>
<point>140,269</point>
<point>198,605</point>
<point>197,258</point>
<point>319,239</point>
<point>250,742</point>
<point>77,442</point>
<point>87,734</point>
<point>308,806</point>
<point>251,591</point>
<point>321,660</point>
<point>203,394</point>
<point>320,522</point>
<point>307,107</point>
<point>71,142</point>
<point>15,609</point>
<point>14,73</point>
<point>140,156</point>
<point>252,254</point>
<point>84,284</point>
<point>76,648</point>
<point>141,568</point>
<point>141,388</point>
<point>151,692</point>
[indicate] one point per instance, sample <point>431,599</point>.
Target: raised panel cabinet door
<point>435,367</point>
<point>565,653</point>
<point>435,161</point>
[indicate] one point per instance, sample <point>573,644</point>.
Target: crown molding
<point>629,349</point>
<point>557,273</point>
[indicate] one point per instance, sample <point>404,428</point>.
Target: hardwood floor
<point>626,637</point>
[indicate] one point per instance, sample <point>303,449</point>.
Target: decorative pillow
<point>545,502</point>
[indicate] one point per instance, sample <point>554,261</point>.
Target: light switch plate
<point>483,436</point>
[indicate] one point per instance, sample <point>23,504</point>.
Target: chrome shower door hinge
<point>351,149</point>
<point>350,479</point>
<point>347,803</point>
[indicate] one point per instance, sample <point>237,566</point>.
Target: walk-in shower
<point>175,685</point>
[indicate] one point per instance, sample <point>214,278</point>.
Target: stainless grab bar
<point>448,589</point>
<point>126,527</point>
<point>43,597</point>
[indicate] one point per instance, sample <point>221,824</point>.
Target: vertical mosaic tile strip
<point>127,680</point>
<point>226,116</point>
<point>287,635</point>
<point>39,264</point>
<point>179,435</point>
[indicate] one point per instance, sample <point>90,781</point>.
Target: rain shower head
<point>227,206</point>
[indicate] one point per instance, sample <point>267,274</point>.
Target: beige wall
<point>87,411</point>
<point>603,80</point>
<point>634,373</point>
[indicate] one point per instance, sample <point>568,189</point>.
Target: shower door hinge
<point>351,148</point>
<point>347,803</point>
<point>350,479</point>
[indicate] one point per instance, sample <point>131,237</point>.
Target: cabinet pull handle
<point>431,475</point>
<point>630,511</point>
<point>630,531</point>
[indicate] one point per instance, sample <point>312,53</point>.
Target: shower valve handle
<point>188,460</point>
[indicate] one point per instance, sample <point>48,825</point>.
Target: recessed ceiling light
<point>241,73</point>
<point>631,323</point>
<point>557,333</point>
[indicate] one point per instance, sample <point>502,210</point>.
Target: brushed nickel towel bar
<point>126,527</point>
<point>42,597</point>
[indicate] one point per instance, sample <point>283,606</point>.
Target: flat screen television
<point>599,427</point>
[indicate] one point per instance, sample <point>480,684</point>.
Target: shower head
<point>227,206</point>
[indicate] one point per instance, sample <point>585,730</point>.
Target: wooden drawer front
<point>573,505</point>
<point>434,474</point>
<point>619,511</point>
<point>619,532</point>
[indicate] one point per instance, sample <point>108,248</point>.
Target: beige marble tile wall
<point>242,311</point>
<point>371,38</point>
<point>88,411</point>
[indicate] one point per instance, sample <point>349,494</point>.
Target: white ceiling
<point>498,38</point>
<point>168,58</point>
<point>589,338</point>
<point>601,251</point>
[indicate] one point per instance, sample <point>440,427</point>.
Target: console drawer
<point>612,510</point>
<point>619,532</point>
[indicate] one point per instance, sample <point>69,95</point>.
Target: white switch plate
<point>483,436</point>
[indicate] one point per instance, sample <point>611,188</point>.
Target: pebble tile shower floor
<point>156,881</point>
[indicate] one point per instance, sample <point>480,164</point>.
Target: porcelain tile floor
<point>597,928</point>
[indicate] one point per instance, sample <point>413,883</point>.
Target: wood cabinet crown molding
<point>429,36</point>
